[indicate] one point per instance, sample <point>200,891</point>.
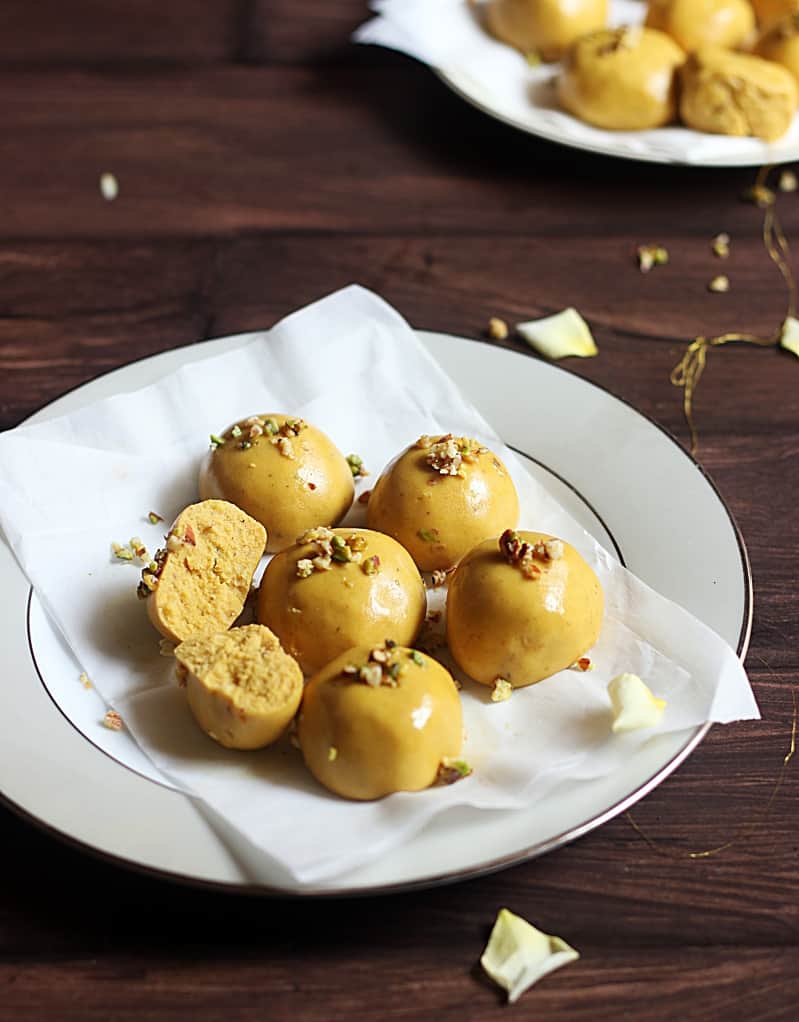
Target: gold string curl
<point>688,371</point>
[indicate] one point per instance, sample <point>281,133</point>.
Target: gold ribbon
<point>688,371</point>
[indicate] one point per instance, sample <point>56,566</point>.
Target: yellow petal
<point>565,333</point>
<point>518,955</point>
<point>634,706</point>
<point>789,338</point>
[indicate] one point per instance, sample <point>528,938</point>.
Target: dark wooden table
<point>264,161</point>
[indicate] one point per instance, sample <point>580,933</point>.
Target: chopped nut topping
<point>788,181</point>
<point>355,462</point>
<point>189,537</point>
<point>372,674</point>
<point>216,441</point>
<point>719,285</point>
<point>721,246</point>
<point>501,690</point>
<point>651,255</point>
<point>112,721</point>
<point>285,446</point>
<point>122,553</point>
<point>332,548</point>
<point>452,770</point>
<point>525,555</point>
<point>424,442</point>
<point>447,454</point>
<point>554,549</point>
<point>583,664</point>
<point>439,578</point>
<point>384,666</point>
<point>305,567</point>
<point>109,186</point>
<point>428,535</point>
<point>151,573</point>
<point>154,518</point>
<point>83,678</point>
<point>497,329</point>
<point>332,754</point>
<point>434,616</point>
<point>371,565</point>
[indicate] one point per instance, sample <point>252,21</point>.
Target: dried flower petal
<point>634,705</point>
<point>518,955</point>
<point>789,338</point>
<point>559,336</point>
<point>109,187</point>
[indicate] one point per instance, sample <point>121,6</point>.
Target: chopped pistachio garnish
<point>651,255</point>
<point>153,518</point>
<point>719,285</point>
<point>721,246</point>
<point>372,674</point>
<point>139,549</point>
<point>371,565</point>
<point>417,657</point>
<point>332,754</point>
<point>285,446</point>
<point>331,548</point>
<point>355,461</point>
<point>424,442</point>
<point>216,441</point>
<point>501,690</point>
<point>122,553</point>
<point>439,578</point>
<point>83,678</point>
<point>518,955</point>
<point>634,705</point>
<point>451,770</point>
<point>305,567</point>
<point>236,432</point>
<point>446,454</point>
<point>559,336</point>
<point>789,338</point>
<point>497,329</point>
<point>112,721</point>
<point>788,181</point>
<point>428,535</point>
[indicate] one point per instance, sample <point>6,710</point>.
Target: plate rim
<point>454,81</point>
<point>694,738</point>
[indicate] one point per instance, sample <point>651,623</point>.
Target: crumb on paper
<point>83,678</point>
<point>518,954</point>
<point>634,705</point>
<point>559,336</point>
<point>112,721</point>
<point>109,186</point>
<point>154,518</point>
<point>719,285</point>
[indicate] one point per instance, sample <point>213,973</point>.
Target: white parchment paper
<point>352,366</point>
<point>447,35</point>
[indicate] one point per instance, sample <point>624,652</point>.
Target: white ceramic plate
<point>629,483</point>
<point>681,145</point>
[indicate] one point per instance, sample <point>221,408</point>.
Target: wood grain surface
<point>264,161</point>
